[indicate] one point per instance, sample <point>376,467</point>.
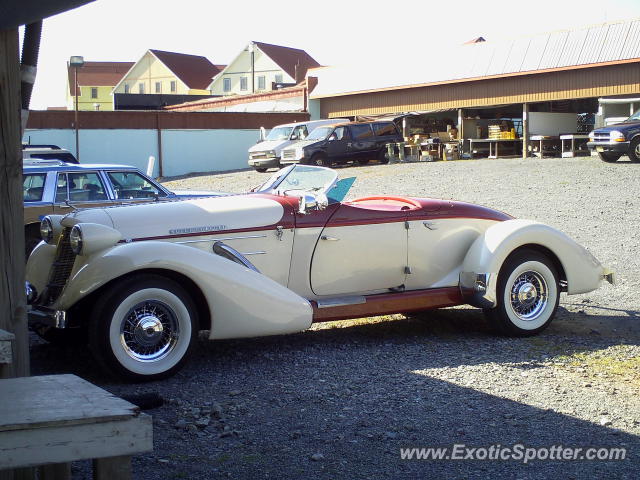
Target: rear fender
<point>242,302</point>
<point>487,254</point>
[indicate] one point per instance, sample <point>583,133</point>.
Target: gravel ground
<point>341,400</point>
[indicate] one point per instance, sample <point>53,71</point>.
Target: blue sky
<point>391,34</point>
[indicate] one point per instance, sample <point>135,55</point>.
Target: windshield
<point>300,178</point>
<point>280,133</point>
<point>320,133</point>
<point>634,118</point>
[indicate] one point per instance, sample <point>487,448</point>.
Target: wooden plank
<point>6,340</point>
<point>112,468</point>
<point>13,312</point>
<point>57,400</point>
<point>61,444</point>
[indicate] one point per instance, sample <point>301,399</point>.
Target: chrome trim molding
<point>260,252</point>
<point>230,253</point>
<point>341,301</point>
<point>479,289</point>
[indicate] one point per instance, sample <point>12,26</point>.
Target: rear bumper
<point>614,147</point>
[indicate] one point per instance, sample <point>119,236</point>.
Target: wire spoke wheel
<point>529,295</point>
<point>149,331</point>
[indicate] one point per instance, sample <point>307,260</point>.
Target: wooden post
<point>525,130</point>
<point>13,313</point>
<point>159,136</point>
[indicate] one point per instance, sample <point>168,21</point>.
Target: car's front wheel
<point>634,150</point>
<point>261,170</point>
<point>144,329</point>
<point>609,157</point>
<point>527,294</point>
<point>320,160</point>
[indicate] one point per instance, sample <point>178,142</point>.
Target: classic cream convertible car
<point>142,280</point>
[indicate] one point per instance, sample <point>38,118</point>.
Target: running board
<point>385,303</point>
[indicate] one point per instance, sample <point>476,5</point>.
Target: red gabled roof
<point>287,58</point>
<point>195,71</point>
<point>98,74</point>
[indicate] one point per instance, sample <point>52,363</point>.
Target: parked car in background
<point>143,280</point>
<point>267,153</point>
<point>57,187</point>
<point>47,152</point>
<point>616,140</point>
<point>339,143</point>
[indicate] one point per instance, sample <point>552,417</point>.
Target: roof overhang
<point>14,13</point>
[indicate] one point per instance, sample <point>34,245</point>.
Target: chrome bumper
<point>39,316</point>
<point>479,289</point>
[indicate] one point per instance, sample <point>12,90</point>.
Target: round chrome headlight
<point>46,230</point>
<point>75,239</point>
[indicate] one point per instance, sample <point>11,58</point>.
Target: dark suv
<point>616,140</point>
<point>344,142</point>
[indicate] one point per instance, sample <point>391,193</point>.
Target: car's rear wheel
<point>609,157</point>
<point>634,150</point>
<point>382,156</point>
<point>363,161</point>
<point>261,170</point>
<point>527,295</point>
<point>144,329</point>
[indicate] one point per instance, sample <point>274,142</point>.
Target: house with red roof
<point>168,73</point>
<point>262,67</point>
<point>95,83</point>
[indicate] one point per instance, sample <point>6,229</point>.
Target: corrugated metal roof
<point>607,42</point>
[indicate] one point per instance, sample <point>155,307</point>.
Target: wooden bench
<point>52,420</point>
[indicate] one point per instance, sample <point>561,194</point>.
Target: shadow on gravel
<point>353,394</point>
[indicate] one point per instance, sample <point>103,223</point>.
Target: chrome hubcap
<point>637,150</point>
<point>529,295</point>
<point>149,331</point>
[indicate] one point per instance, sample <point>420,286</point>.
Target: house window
<point>261,82</point>
<point>173,86</point>
<point>141,88</point>
<point>243,83</point>
<point>158,87</point>
<point>278,78</point>
<point>94,92</point>
<point>226,85</point>
<point>126,88</point>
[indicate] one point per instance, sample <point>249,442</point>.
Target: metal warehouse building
<point>592,71</point>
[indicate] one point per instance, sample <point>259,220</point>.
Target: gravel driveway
<point>342,399</point>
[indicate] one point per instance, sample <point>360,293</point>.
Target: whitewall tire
<point>527,295</point>
<point>144,329</point>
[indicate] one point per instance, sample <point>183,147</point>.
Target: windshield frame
<point>275,184</point>
<point>634,118</point>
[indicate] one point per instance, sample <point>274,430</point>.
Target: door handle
<point>329,239</point>
<point>430,225</point>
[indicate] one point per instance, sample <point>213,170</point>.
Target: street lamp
<point>76,62</point>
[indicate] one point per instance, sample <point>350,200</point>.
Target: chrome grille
<point>289,154</point>
<point>61,267</point>
<point>601,137</point>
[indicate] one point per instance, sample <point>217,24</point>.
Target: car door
<point>364,141</point>
<point>360,250</point>
<point>36,196</point>
<point>339,145</point>
<point>80,189</point>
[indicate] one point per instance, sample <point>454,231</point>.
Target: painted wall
<point>85,102</point>
<point>241,67</point>
<point>183,151</point>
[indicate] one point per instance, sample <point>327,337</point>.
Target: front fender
<point>489,251</point>
<point>242,302</point>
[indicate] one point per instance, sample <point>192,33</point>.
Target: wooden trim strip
<point>386,303</point>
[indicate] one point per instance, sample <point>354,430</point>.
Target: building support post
<point>13,317</point>
<point>525,130</point>
<point>159,135</point>
<point>460,124</point>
